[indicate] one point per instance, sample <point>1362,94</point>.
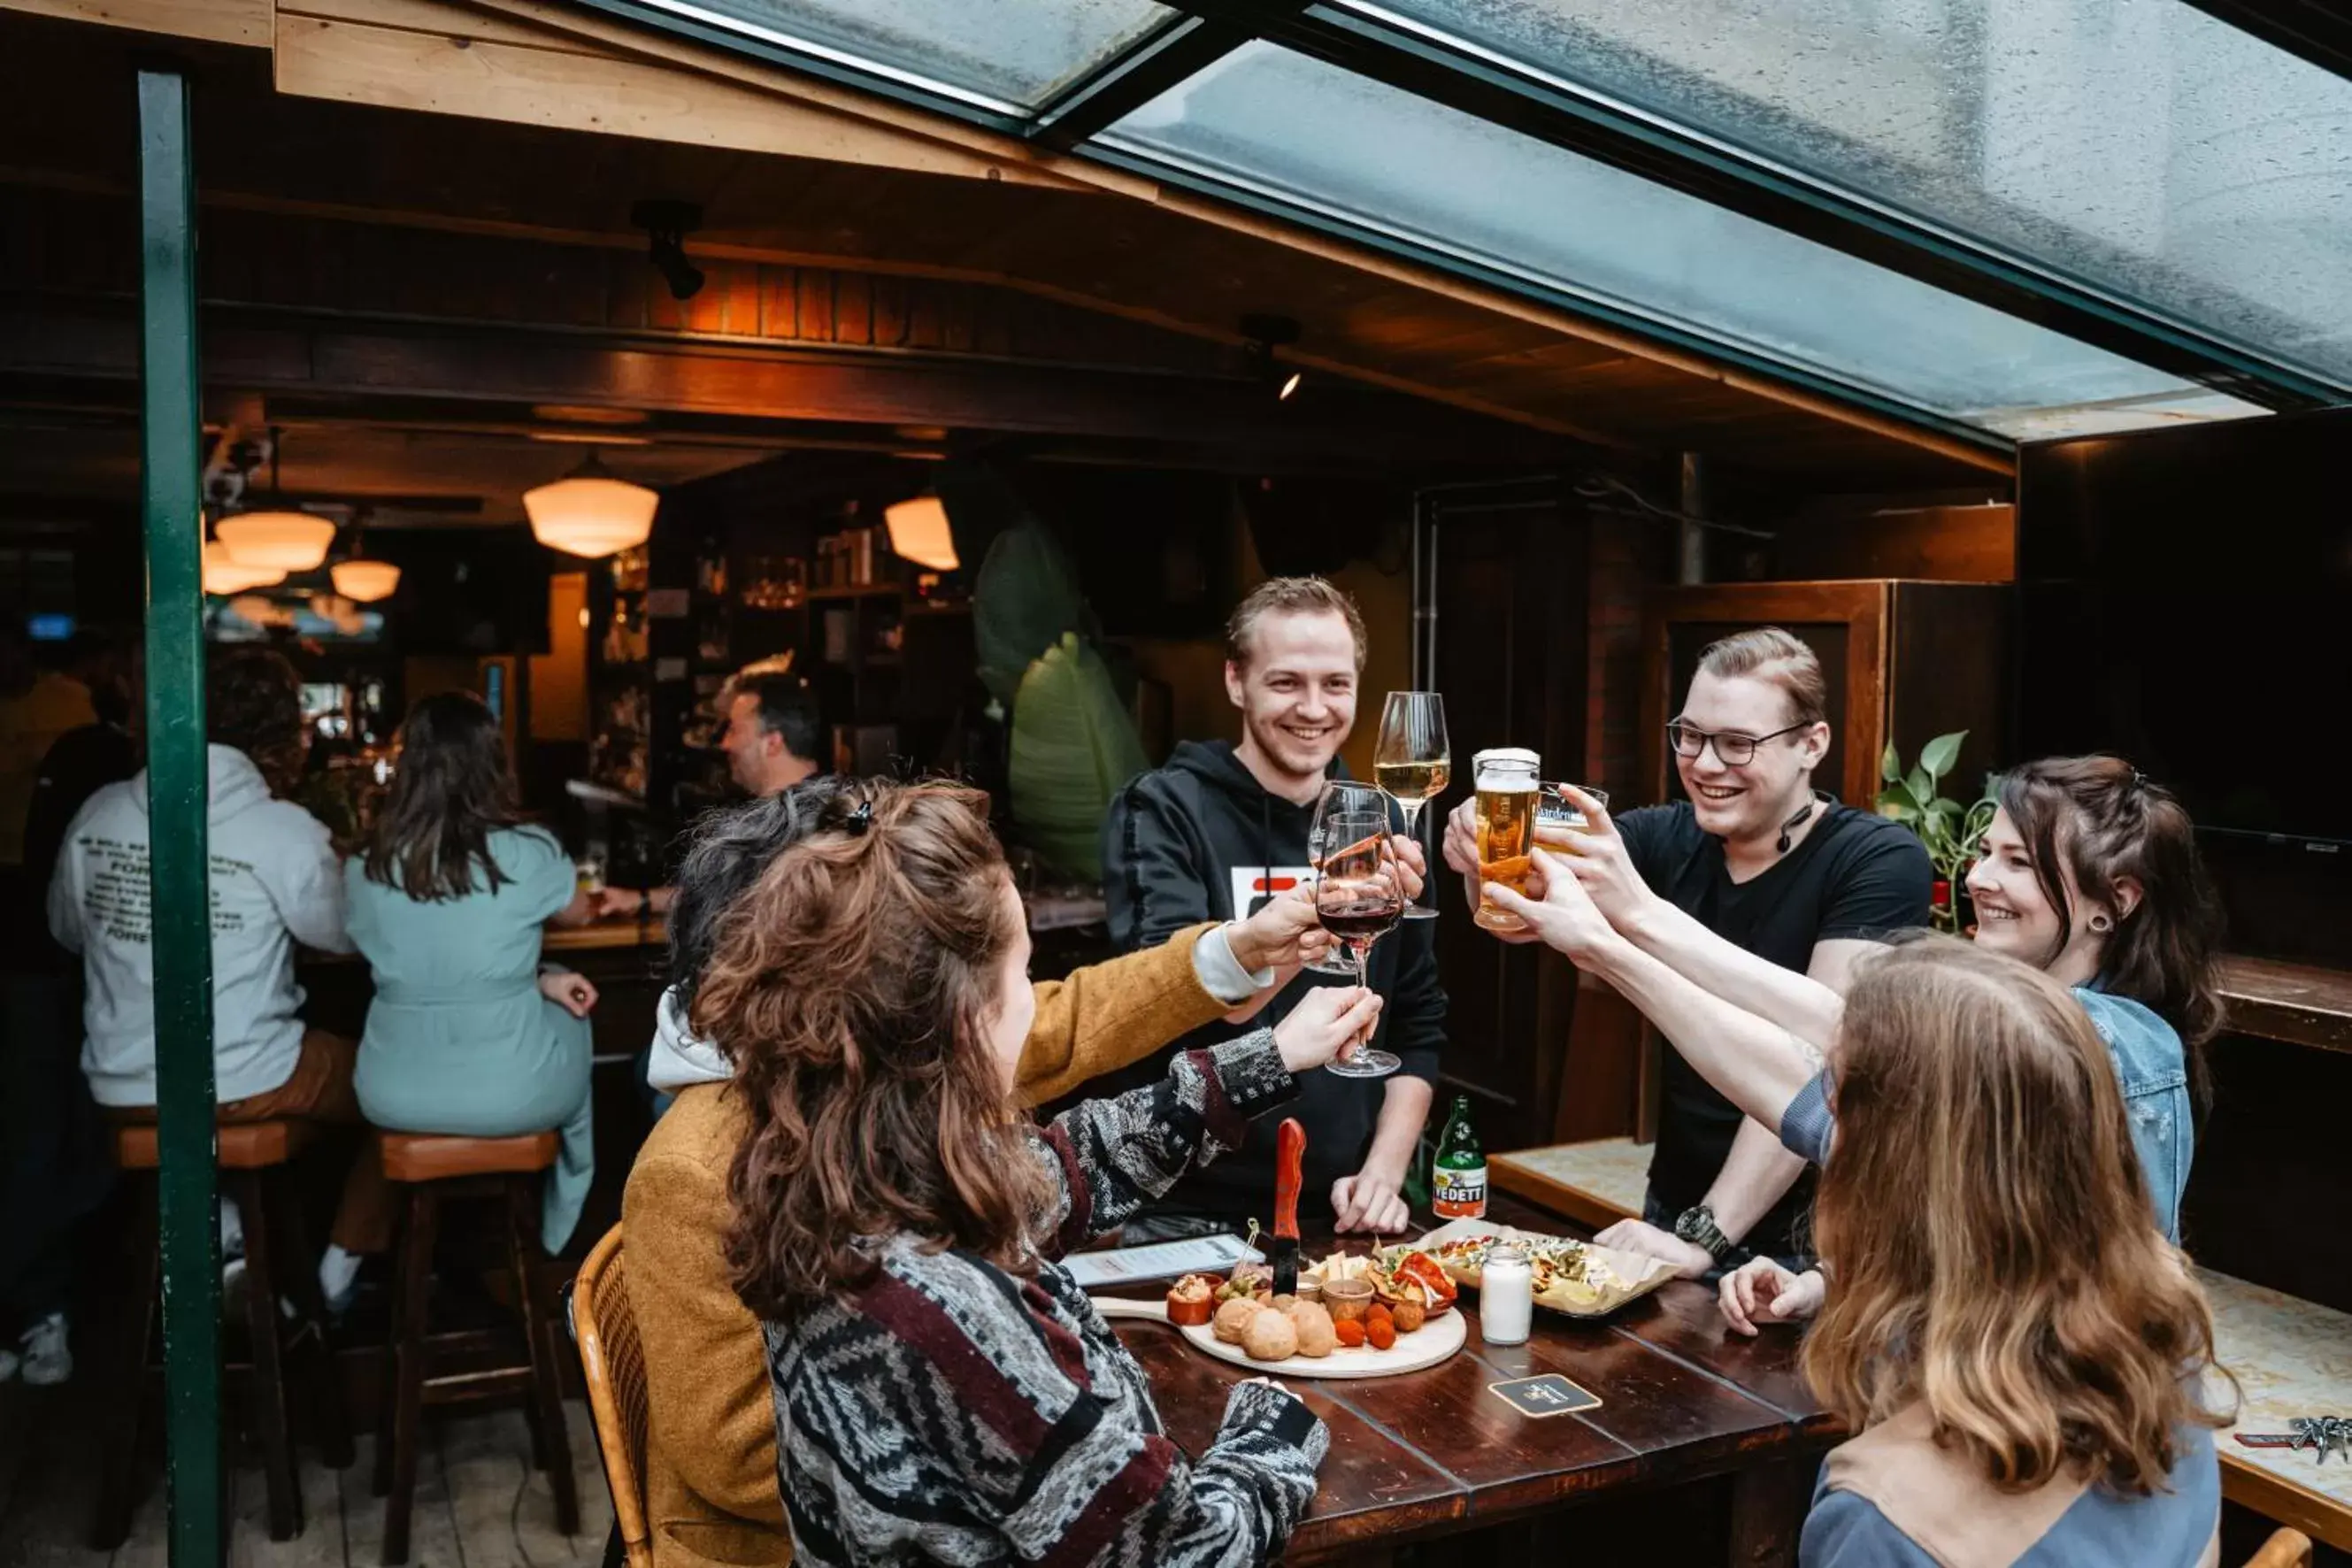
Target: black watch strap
<point>1697,1224</point>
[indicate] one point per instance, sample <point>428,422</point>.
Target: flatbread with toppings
<point>1572,1277</point>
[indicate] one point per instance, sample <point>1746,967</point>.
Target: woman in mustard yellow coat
<point>711,1464</point>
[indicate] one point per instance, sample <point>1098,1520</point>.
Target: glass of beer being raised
<point>1508,799</point>
<point>1558,820</point>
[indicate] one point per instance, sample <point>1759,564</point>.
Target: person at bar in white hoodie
<point>276,881</point>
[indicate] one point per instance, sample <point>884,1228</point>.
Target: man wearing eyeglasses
<point>1760,857</point>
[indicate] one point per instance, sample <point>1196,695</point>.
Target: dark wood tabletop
<point>1426,1453</point>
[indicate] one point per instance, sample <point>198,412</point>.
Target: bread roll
<point>1269,1336</point>
<point>1317,1335</point>
<point>1232,1316</point>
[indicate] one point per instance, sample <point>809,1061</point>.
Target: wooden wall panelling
<point>1510,659</point>
<point>1948,667</point>
<point>1944,543</point>
<point>243,22</point>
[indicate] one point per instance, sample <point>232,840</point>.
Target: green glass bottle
<point>1458,1175</point>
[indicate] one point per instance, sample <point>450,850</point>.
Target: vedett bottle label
<point>1459,1192</point>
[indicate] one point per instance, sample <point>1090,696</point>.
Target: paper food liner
<point>1631,1275</point>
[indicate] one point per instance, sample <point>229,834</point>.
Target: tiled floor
<point>479,1504</point>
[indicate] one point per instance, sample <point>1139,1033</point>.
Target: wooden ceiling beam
<point>283,354</point>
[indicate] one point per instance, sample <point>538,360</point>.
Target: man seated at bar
<point>275,880</point>
<point>1223,825</point>
<point>710,1460</point>
<point>774,734</point>
<point>1760,857</point>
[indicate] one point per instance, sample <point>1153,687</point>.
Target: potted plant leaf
<point>1952,834</point>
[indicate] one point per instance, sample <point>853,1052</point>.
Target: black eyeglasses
<point>1731,750</point>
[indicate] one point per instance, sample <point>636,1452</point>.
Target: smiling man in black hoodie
<point>1223,827</point>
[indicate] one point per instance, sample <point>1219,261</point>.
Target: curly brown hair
<point>253,702</point>
<point>1987,1232</point>
<point>851,986</point>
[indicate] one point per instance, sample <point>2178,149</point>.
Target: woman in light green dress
<point>465,1036</point>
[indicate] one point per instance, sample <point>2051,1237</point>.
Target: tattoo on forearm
<point>1807,1050</point>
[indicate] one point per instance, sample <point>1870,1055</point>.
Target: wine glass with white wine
<point>1413,761</point>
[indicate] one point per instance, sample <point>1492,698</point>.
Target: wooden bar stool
<point>438,1169</point>
<point>254,1172</point>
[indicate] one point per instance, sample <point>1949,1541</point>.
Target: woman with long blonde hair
<point>2018,1349</point>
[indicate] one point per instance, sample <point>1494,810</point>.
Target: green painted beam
<point>171,468</point>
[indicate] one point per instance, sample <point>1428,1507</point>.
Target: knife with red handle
<point>1289,1174</point>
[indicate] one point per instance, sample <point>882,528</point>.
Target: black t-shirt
<point>1856,875</point>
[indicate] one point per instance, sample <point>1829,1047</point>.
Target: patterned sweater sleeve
<point>953,1413</point>
<point>1237,1505</point>
<point>1110,1157</point>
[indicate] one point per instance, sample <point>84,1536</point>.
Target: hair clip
<point>860,818</point>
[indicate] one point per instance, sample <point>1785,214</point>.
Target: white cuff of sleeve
<point>1221,974</point>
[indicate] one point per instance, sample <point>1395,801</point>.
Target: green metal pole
<point>171,472</point>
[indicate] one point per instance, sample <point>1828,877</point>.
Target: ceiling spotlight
<point>666,224</point>
<point>1261,336</point>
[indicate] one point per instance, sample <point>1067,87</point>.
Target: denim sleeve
<point>1808,1125</point>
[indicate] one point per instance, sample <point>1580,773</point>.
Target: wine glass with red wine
<point>1338,795</point>
<point>1359,899</point>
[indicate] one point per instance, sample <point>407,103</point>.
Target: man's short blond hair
<point>1777,657</point>
<point>1290,596</point>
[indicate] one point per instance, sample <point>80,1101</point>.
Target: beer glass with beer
<point>1558,819</point>
<point>1508,800</point>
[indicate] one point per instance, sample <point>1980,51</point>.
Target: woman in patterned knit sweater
<point>944,1392</point>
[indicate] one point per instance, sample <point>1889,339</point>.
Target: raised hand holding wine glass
<point>1359,899</point>
<point>1413,762</point>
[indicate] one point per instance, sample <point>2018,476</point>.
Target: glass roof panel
<point>1284,125</point>
<point>1011,55</point>
<point>2140,146</point>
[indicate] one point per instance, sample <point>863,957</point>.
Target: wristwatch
<point>1697,1224</point>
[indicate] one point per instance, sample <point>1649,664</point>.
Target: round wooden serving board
<point>1436,1339</point>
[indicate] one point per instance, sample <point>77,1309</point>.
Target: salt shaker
<point>1506,1298</point>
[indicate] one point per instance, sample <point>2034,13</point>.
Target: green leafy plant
<point>1072,743</point>
<point>1953,834</point>
<point>1074,746</point>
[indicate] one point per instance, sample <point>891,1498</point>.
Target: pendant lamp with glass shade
<point>590,512</point>
<point>365,581</point>
<point>282,541</point>
<point>223,576</point>
<point>276,535</point>
<point>919,534</point>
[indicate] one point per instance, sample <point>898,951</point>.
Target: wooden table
<point>1433,1452</point>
